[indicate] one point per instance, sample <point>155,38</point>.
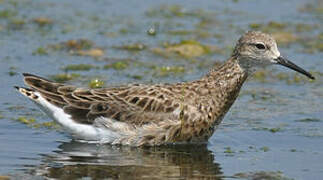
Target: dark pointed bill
<point>283,61</point>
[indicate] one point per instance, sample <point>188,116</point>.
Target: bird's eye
<point>260,46</point>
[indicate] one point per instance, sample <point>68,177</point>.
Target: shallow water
<point>274,130</point>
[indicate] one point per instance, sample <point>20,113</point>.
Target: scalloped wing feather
<point>137,104</point>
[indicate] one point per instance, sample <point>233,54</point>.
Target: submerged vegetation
<point>96,83</point>
<point>64,77</point>
<point>78,67</point>
<point>120,65</point>
<point>186,49</point>
<point>31,122</point>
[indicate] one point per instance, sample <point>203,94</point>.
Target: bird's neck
<point>224,83</point>
<point>232,73</point>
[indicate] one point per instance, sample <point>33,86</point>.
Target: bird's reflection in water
<point>77,160</point>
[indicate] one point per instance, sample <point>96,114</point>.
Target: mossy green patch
<point>308,120</point>
<point>31,122</point>
<point>16,23</point>
<point>64,77</point>
<point>274,130</point>
<point>12,73</point>
<point>186,48</point>
<point>95,52</point>
<point>228,150</point>
<point>40,51</point>
<point>195,33</point>
<point>74,44</point>
<point>96,83</point>
<point>262,175</point>
<point>79,47</point>
<point>132,47</point>
<point>265,148</point>
<point>301,27</point>
<point>168,70</point>
<point>314,8</point>
<point>177,11</point>
<point>282,76</point>
<point>47,125</point>
<point>312,44</point>
<point>8,13</point>
<point>168,11</point>
<point>26,120</point>
<point>43,21</point>
<point>284,37</point>
<point>292,150</point>
<point>260,75</point>
<point>152,31</point>
<point>117,65</point>
<point>271,26</point>
<point>5,177</point>
<point>138,77</point>
<point>78,67</point>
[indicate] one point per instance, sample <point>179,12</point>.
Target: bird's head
<point>256,49</point>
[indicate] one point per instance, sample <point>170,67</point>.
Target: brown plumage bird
<point>139,114</point>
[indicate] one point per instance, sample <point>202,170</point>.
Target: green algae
<point>164,71</point>
<point>301,27</point>
<point>271,26</point>
<point>265,76</point>
<point>26,120</point>
<point>43,21</point>
<point>152,31</point>
<point>132,47</point>
<point>121,65</point>
<point>47,125</point>
<point>263,175</point>
<point>274,130</point>
<point>138,77</point>
<point>282,76</point>
<point>228,150</point>
<point>16,23</point>
<point>78,67</point>
<point>12,73</point>
<point>5,177</point>
<point>265,149</point>
<point>96,83</point>
<point>177,11</point>
<point>95,52</point>
<point>312,44</point>
<point>8,13</point>
<point>280,32</point>
<point>186,49</point>
<point>73,44</point>
<point>78,47</point>
<point>41,51</point>
<point>196,33</point>
<point>284,37</point>
<point>31,122</point>
<point>260,76</point>
<point>293,150</point>
<point>308,120</point>
<point>61,78</point>
<point>167,11</point>
<point>314,8</point>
